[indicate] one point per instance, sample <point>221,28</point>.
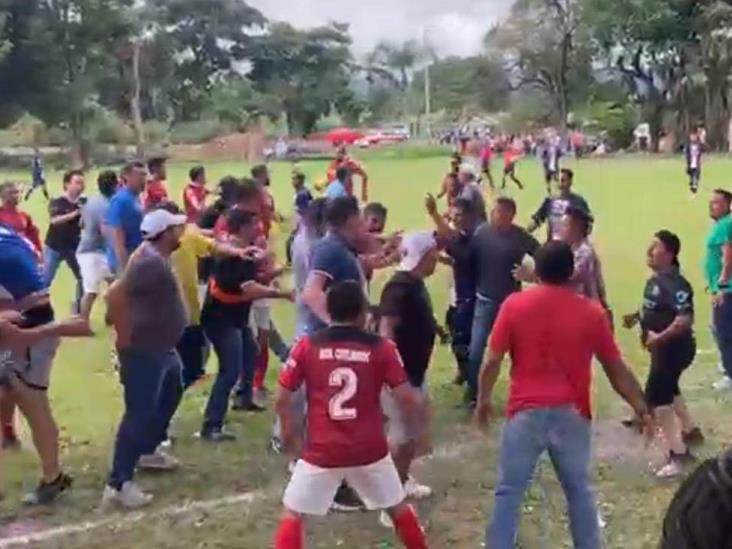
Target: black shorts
<point>668,363</point>
<point>509,169</point>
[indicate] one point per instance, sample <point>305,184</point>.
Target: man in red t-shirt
<point>195,193</point>
<point>552,334</point>
<point>19,221</point>
<point>511,156</point>
<point>344,369</point>
<point>342,160</point>
<point>156,191</point>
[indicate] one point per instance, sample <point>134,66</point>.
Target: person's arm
<point>252,291</point>
<point>726,273</point>
<point>291,378</point>
<point>498,345</point>
<point>65,218</point>
<point>539,216</point>
<point>313,295</point>
<point>443,228</point>
<point>14,337</point>
<point>118,245</point>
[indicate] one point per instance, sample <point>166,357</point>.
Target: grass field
<point>631,198</point>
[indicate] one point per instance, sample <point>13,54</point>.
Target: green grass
<point>631,197</point>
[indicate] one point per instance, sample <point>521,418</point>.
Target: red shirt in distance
<point>194,201</point>
<point>552,334</point>
<point>344,370</point>
<point>156,192</point>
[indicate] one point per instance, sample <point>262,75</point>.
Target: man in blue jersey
<point>124,216</point>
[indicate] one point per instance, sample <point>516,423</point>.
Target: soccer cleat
<point>695,437</point>
<point>723,384</point>
<point>414,490</point>
<point>129,497</point>
<point>48,492</point>
<point>158,461</point>
<point>217,435</point>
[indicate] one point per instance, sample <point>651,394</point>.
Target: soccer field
<point>631,198</point>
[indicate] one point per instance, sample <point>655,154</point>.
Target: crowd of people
<point>353,405</point>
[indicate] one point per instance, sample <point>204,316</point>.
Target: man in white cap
<point>149,316</point>
<point>407,318</point>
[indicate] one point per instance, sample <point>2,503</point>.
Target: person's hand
<point>647,426</point>
<point>13,338</point>
<point>653,340</point>
<point>430,204</point>
<point>523,273</point>
<point>717,299</point>
<point>11,315</point>
<point>630,320</point>
<point>289,296</point>
<point>483,412</point>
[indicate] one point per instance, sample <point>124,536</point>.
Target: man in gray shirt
<point>91,253</point>
<point>149,317</point>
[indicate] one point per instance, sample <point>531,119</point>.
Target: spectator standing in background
<point>38,176</point>
<point>64,232</point>
<point>303,197</point>
<point>124,216</point>
<point>19,221</point>
<point>694,151</point>
<point>312,229</point>
<point>195,193</point>
<point>156,190</point>
<point>91,254</point>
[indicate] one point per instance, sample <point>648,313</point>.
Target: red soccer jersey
<point>22,223</point>
<point>511,156</point>
<point>552,334</point>
<point>155,192</point>
<point>194,200</point>
<point>266,211</point>
<point>344,370</point>
<point>353,167</point>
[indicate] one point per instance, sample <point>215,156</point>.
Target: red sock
<point>260,371</point>
<point>9,431</point>
<point>409,529</point>
<point>289,534</point>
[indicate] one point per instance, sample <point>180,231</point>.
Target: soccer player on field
<point>694,152</point>
<point>510,157</point>
<point>342,160</point>
<point>344,369</point>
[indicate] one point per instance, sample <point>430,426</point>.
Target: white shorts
<point>398,430</point>
<point>261,315</point>
<point>95,271</point>
<point>311,489</point>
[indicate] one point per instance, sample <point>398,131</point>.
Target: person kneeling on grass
<point>666,321</point>
<point>344,369</point>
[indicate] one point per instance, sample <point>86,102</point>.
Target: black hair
<point>196,172</point>
<point>554,263</point>
<point>299,177</point>
<point>466,206</point>
<point>671,242</point>
<point>69,175</point>
<point>345,301</point>
<point>259,170</point>
<point>340,210</point>
<point>131,166</point>
<point>107,183</point>
<point>726,194</point>
<point>248,190</point>
<point>155,162</point>
<point>582,216</point>
<point>168,206</point>
<point>507,202</point>
<point>569,173</point>
<point>699,513</point>
<point>236,219</point>
<point>376,209</point>
<point>227,189</point>
<point>315,214</point>
<point>342,173</point>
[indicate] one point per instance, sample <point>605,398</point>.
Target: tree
<point>308,71</point>
<point>234,100</point>
<point>394,61</point>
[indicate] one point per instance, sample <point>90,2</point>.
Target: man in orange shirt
<point>19,221</point>
<point>342,160</point>
<point>510,157</point>
<point>156,191</point>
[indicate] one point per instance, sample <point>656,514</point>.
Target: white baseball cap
<point>414,247</point>
<point>158,221</point>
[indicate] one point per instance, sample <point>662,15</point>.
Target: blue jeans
<point>191,348</point>
<point>52,260</point>
<point>152,391</point>
<point>722,319</point>
<point>565,435</point>
<point>486,311</point>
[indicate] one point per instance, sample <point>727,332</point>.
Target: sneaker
<point>720,368</point>
<point>723,384</point>
<point>158,461</point>
<point>48,492</point>
<point>241,406</point>
<point>129,497</point>
<point>346,500</point>
<point>414,490</point>
<point>695,437</point>
<point>275,445</point>
<point>385,520</point>
<point>675,465</point>
<point>217,435</point>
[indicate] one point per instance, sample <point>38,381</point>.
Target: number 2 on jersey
<point>347,380</point>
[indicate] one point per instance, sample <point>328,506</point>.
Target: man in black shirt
<point>408,320</point>
<point>498,249</point>
<point>553,208</point>
<point>666,322</point>
<point>64,231</point>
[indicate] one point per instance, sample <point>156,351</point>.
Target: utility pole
<point>427,86</point>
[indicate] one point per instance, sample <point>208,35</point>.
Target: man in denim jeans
<point>498,249</point>
<point>552,335</point>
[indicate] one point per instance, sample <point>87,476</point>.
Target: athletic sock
<point>289,534</point>
<point>409,530</point>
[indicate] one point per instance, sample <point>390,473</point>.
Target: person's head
<point>576,225</point>
<point>298,180</point>
<point>566,180</point>
<point>73,183</point>
<point>157,169</point>
<point>503,213</point>
<point>663,252</point>
<point>720,204</point>
<point>465,215</point>
<point>107,183</point>
<point>242,224</point>
<point>314,217</point>
<point>343,217</point>
<point>453,184</point>
<point>134,175</point>
<point>248,198</point>
<point>228,188</point>
<point>699,513</point>
<point>342,174</point>
<point>374,215</point>
<point>554,263</point>
<point>341,153</point>
<point>9,194</point>
<point>419,253</point>
<point>346,304</point>
<point>198,175</point>
<point>260,174</point>
<point>163,228</point>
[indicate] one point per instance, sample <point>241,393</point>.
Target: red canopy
<point>345,136</point>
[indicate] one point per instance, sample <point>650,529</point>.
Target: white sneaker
<point>414,490</point>
<point>159,461</point>
<point>720,368</point>
<point>671,470</point>
<point>129,497</point>
<point>723,384</point>
<point>385,520</point>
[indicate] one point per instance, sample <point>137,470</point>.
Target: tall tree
<point>396,60</point>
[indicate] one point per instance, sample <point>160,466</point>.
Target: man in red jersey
<point>19,221</point>
<point>195,193</point>
<point>156,191</point>
<point>344,369</point>
<point>342,160</point>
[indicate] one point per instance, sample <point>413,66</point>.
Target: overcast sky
<point>455,27</point>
